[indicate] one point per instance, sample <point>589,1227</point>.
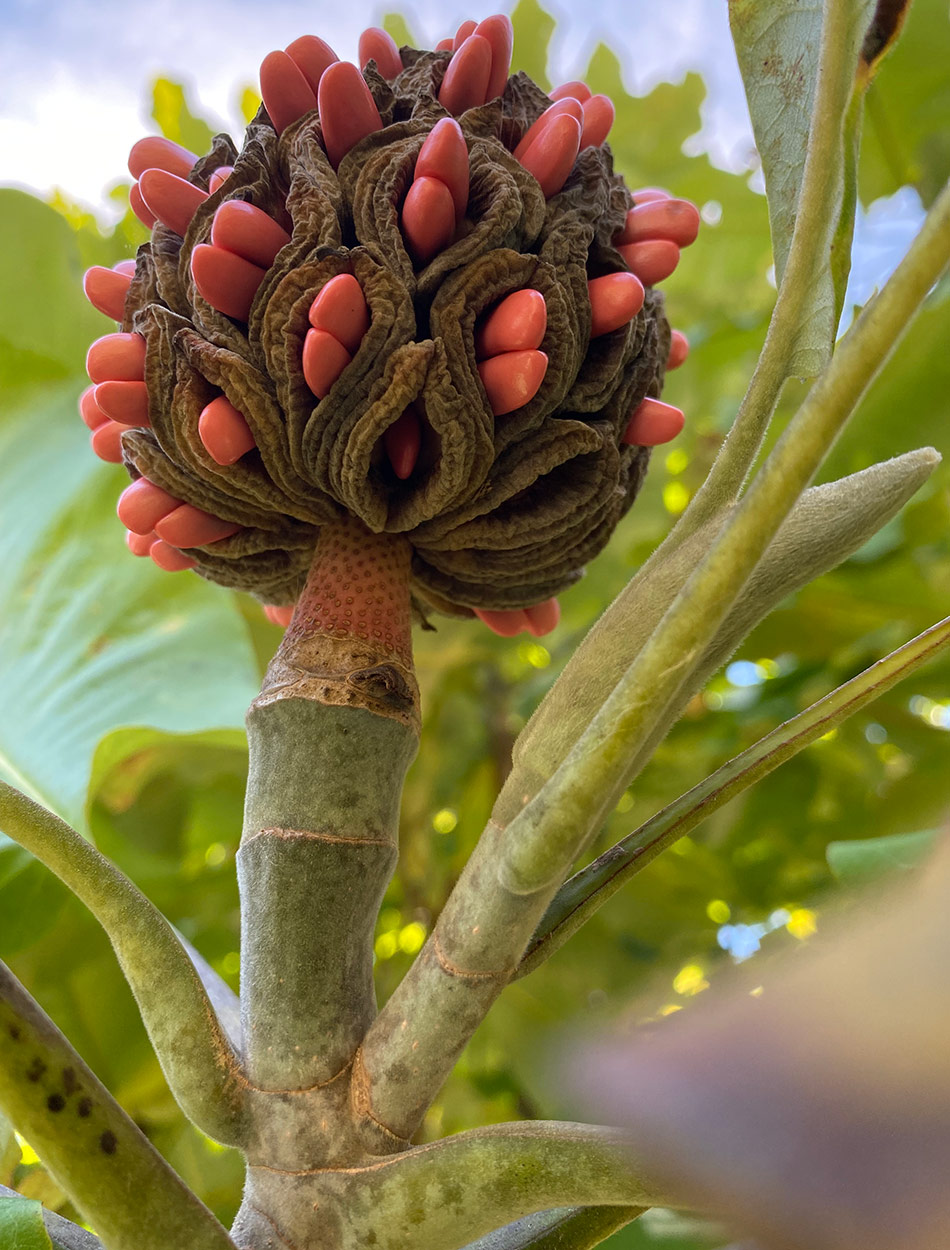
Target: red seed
<point>189,526</point>
<point>569,106</point>
<point>170,558</point>
<point>228,282</point>
<point>140,208</point>
<point>89,410</point>
<point>428,218</point>
<point>679,349</point>
<point>552,154</point>
<point>348,112</point>
<point>445,45</point>
<point>341,310</point>
<point>674,220</point>
<point>143,504</point>
<point>285,90</point>
<point>125,402</point>
<point>652,260</point>
<point>219,178</point>
<point>117,357</point>
<point>463,32</point>
<point>465,84</point>
<point>543,617</point>
<point>653,423</point>
<point>249,232</point>
<point>615,299</point>
<point>155,152</point>
<point>512,379</point>
<point>277,615</point>
<point>402,441</point>
<point>518,323</point>
<point>313,57</point>
<point>599,114</point>
<point>579,91</point>
<point>173,200</point>
<point>506,622</point>
<point>106,442</point>
<point>106,290</point>
<point>224,432</point>
<point>139,544</point>
<point>444,155</point>
<point>126,267</point>
<point>644,195</point>
<point>378,45</point>
<point>324,359</point>
<point>497,29</point>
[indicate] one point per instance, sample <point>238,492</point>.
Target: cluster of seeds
<point>419,295</point>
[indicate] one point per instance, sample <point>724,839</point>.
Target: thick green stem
<point>98,1155</point>
<point>331,737</point>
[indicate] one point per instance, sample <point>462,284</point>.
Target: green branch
<point>585,892</point>
<point>443,1195</point>
<point>546,836</point>
<point>817,215</point>
<point>101,1159</point>
<point>201,1067</point>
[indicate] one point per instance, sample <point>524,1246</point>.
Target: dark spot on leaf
<point>108,1143</point>
<point>70,1081</point>
<point>14,1032</point>
<point>56,1102</point>
<point>35,1070</point>
<point>84,1107</point>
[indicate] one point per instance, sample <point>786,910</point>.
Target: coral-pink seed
<point>615,299</point>
<point>228,282</point>
<point>513,379</point>
<point>341,309</point>
<point>675,220</point>
<point>378,45</point>
<point>224,432</point>
<point>679,349</point>
<point>155,152</point>
<point>444,155</point>
<point>106,290</point>
<point>249,232</point>
<point>324,359</point>
<point>348,112</point>
<point>599,114</point>
<point>569,105</point>
<point>497,29</point>
<point>125,402</point>
<point>170,558</point>
<point>505,622</point>
<point>652,261</point>
<point>106,442</point>
<point>551,156</point>
<point>402,441</point>
<point>313,57</point>
<point>578,90</point>
<point>465,84</point>
<point>653,423</point>
<point>518,323</point>
<point>428,218</point>
<point>188,526</point>
<point>173,200</point>
<point>143,504</point>
<point>286,93</point>
<point>117,357</point>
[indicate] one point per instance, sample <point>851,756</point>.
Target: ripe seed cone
<point>500,512</point>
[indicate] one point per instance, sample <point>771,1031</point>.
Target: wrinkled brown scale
<point>500,513</point>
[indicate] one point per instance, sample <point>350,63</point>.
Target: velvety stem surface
<point>331,736</point>
<point>102,1160</point>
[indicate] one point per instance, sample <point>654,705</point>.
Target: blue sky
<point>74,73</point>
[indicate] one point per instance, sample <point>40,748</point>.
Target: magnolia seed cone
<point>500,512</point>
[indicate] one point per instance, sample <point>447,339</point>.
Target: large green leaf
<point>91,638</point>
<point>868,858</point>
<point>779,45</point>
<point>21,1225</point>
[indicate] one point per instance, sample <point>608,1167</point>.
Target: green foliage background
<point>124,688</point>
